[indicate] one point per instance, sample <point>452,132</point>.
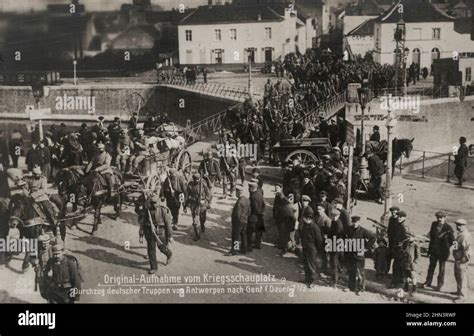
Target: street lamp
<point>390,124</point>
<point>363,93</point>
<point>75,71</point>
<point>249,56</point>
<point>38,93</point>
<point>405,84</point>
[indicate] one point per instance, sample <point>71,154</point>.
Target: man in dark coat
<point>356,259</point>
<point>400,233</point>
<point>336,232</point>
<point>308,187</point>
<point>391,229</point>
<point>277,203</point>
<point>376,169</point>
<point>460,161</point>
<point>15,143</point>
<point>174,190</point>
<point>255,222</point>
<point>239,218</point>
<point>312,244</point>
<point>375,135</point>
<point>4,149</point>
<point>441,238</point>
<point>33,157</point>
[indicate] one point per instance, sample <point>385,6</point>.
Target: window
<point>189,35</point>
<point>217,34</point>
<point>268,33</point>
<point>468,74</point>
<point>435,53</point>
<point>436,33</point>
<point>233,34</point>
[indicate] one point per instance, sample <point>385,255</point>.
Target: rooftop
<point>415,11</point>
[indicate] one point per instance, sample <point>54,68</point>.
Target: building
<point>233,34</point>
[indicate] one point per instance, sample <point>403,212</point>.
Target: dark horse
<point>24,216</point>
<point>85,190</point>
<point>399,147</point>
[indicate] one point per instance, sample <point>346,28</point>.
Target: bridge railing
<point>234,92</point>
<point>429,92</point>
<point>326,109</point>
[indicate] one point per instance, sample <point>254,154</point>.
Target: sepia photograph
<point>237,151</point>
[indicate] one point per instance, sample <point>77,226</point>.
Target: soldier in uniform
<point>132,123</point>
<point>209,170</point>
<point>391,229</point>
<point>124,151</point>
<point>441,238</point>
<point>65,282</point>
<point>239,218</point>
<point>155,225</point>
<point>255,222</point>
<point>400,234</point>
<point>140,152</point>
<point>174,190</point>
<point>462,255</point>
<point>198,200</point>
<point>460,161</point>
<point>100,163</point>
<point>356,259</point>
<point>312,244</point>
<point>228,165</point>
<point>114,131</point>
<point>37,186</point>
<point>256,175</point>
<point>100,130</point>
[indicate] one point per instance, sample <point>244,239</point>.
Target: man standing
<point>344,217</point>
<point>462,254</point>
<point>228,165</point>
<point>336,232</point>
<point>33,157</point>
<point>441,238</point>
<point>460,161</point>
<point>239,218</point>
<point>400,234</point>
<point>209,170</point>
<point>155,224</point>
<point>356,259</point>
<point>198,200</point>
<point>308,187</point>
<point>100,163</point>
<point>376,169</point>
<point>324,223</point>
<point>277,204</point>
<point>312,244</point>
<point>391,230</point>
<point>65,282</point>
<point>255,222</point>
<point>4,150</point>
<point>174,190</point>
<point>46,158</point>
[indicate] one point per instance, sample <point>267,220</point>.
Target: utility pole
<point>390,123</point>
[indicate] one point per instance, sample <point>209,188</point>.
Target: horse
<point>399,147</point>
<point>88,189</point>
<point>24,217</point>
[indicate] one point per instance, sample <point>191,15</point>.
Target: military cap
<point>339,200</point>
<point>376,127</point>
<point>239,187</point>
<point>394,208</point>
<point>306,198</point>
<point>57,248</point>
<point>100,145</point>
<point>323,193</point>
<point>402,214</point>
<point>279,185</point>
<point>196,176</point>
<point>101,118</point>
<point>355,218</point>
<point>440,214</point>
<point>320,205</point>
<point>44,238</point>
<point>460,221</point>
<point>335,212</point>
<point>255,170</point>
<point>308,212</point>
<point>93,135</point>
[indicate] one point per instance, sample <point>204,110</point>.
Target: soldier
<point>132,123</point>
<point>376,169</point>
<point>356,259</point>
<point>336,232</point>
<point>100,129</point>
<point>255,222</point>
<point>174,190</point>
<point>239,218</point>
<point>65,282</point>
<point>391,229</point>
<point>198,200</point>
<point>256,175</point>
<point>100,163</point>
<point>460,161</point>
<point>228,164</point>
<point>375,135</point>
<point>324,223</point>
<point>4,149</point>
<point>155,225</point>
<point>308,186</point>
<point>344,217</point>
<point>37,186</point>
<point>46,159</point>
<point>462,254</point>
<point>140,152</point>
<point>209,170</point>
<point>441,238</point>
<point>124,150</point>
<point>34,157</point>
<point>277,203</point>
<point>312,244</point>
<point>114,131</point>
<point>400,233</point>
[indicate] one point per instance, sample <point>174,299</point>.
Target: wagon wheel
<point>183,162</point>
<point>306,157</point>
<point>152,183</point>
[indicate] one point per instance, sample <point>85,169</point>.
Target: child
<point>381,259</point>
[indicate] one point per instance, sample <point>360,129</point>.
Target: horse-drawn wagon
<point>308,151</point>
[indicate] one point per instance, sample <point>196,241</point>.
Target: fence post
<point>423,166</point>
<point>449,167</point>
